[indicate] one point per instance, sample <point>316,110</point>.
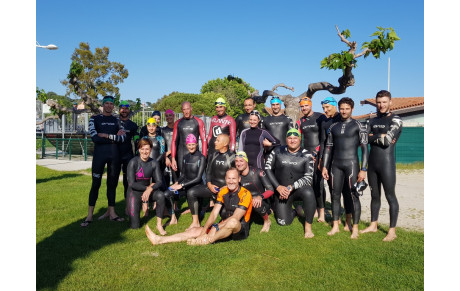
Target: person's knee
<point>232,223</point>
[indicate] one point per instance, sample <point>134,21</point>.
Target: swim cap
<point>169,111</point>
<point>152,121</point>
<point>294,132</point>
<point>156,112</point>
<point>107,99</point>
<point>190,139</point>
<point>124,104</point>
<point>305,100</point>
<point>329,100</point>
<point>220,102</point>
<point>242,155</point>
<point>275,99</point>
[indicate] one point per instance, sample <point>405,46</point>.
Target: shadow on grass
<point>53,178</point>
<point>56,254</point>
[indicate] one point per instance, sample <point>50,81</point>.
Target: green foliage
<point>346,33</point>
<point>61,100</point>
<point>96,74</point>
<point>41,95</point>
<point>69,257</point>
<point>384,42</point>
<point>338,61</point>
<point>201,103</point>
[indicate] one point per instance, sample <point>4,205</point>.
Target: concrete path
<point>64,165</point>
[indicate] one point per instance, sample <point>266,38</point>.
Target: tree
<point>90,75</point>
<point>200,102</point>
<point>345,61</point>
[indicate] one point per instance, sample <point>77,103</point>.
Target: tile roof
<point>397,104</point>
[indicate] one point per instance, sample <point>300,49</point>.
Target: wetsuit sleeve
<point>209,166</point>
<point>161,142</point>
<point>93,132</point>
<point>307,178</point>
<point>201,168</point>
<point>136,136</point>
<point>291,123</point>
<point>271,138</point>
<point>269,191</point>
<point>328,148</point>
<point>238,120</point>
<point>322,140</point>
<point>156,176</point>
<point>232,133</point>
<point>174,138</point>
<point>242,140</point>
<point>363,135</point>
<point>204,142</point>
<point>269,166</point>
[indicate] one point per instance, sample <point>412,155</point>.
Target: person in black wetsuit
<point>144,178</point>
<point>237,202</point>
<point>309,126</point>
<point>167,133</point>
<point>343,139</point>
<point>257,182</point>
<point>194,165</point>
<point>242,120</point>
<point>106,133</point>
<point>290,170</point>
<point>182,128</point>
<point>126,148</point>
<point>157,115</point>
<point>254,139</point>
<point>217,165</point>
<point>277,124</point>
<point>384,131</point>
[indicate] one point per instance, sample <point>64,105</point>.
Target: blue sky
<point>179,45</point>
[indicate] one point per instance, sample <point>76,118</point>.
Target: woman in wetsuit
<point>194,164</point>
<point>253,140</point>
<point>144,180</point>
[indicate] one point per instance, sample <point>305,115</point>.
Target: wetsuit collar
<point>383,114</point>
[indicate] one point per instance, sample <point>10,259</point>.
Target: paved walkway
<point>64,165</point>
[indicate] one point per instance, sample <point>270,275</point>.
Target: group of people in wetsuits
<point>251,164</point>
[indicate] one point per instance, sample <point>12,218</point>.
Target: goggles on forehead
<point>219,103</point>
<point>329,101</point>
<point>275,99</point>
<point>124,105</point>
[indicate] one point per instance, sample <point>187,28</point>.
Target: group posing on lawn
<point>245,167</point>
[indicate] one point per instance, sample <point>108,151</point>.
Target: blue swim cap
<point>329,100</point>
<point>275,99</point>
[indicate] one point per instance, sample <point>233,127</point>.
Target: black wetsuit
<point>106,151</point>
<point>251,142</point>
<point>343,139</point>
<point>278,126</point>
<point>216,168</point>
<point>257,182</point>
<point>296,169</point>
<point>382,164</point>
<point>194,167</point>
<point>140,175</point>
<point>167,134</point>
<point>224,124</point>
<point>242,123</point>
<point>182,128</point>
<point>144,131</point>
<point>126,148</point>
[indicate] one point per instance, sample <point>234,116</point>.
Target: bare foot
<point>334,230</point>
<point>266,226</point>
<point>153,238</point>
<point>390,237</point>
<point>145,209</point>
<point>316,214</point>
<point>354,234</point>
<point>173,220</point>
<point>199,241</point>
<point>322,219</point>
<point>187,211</point>
<point>309,234</point>
<point>104,216</point>
<point>347,227</point>
<point>370,228</point>
<point>161,229</point>
<point>193,225</point>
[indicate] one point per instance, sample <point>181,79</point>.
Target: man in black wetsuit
<point>189,124</point>
<point>309,126</point>
<point>384,131</point>
<point>217,165</point>
<point>167,133</point>
<point>290,170</point>
<point>242,121</point>
<point>277,123</point>
<point>343,139</point>
<point>257,182</point>
<point>106,133</point>
<point>126,148</point>
<point>221,123</point>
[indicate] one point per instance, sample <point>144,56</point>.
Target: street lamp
<point>50,46</point>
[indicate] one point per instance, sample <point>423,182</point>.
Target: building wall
<point>413,120</point>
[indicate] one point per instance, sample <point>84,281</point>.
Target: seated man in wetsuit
<point>257,182</point>
<point>290,170</point>
<point>237,202</point>
<point>218,164</point>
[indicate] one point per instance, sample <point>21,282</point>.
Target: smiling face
<point>232,179</point>
<point>293,143</point>
<point>240,164</point>
<point>329,110</point>
<point>306,109</point>
<point>107,108</point>
<point>249,105</point>
<point>144,152</point>
<point>276,108</point>
<point>169,118</point>
<point>253,121</point>
<point>383,104</point>
<point>220,110</point>
<point>124,112</point>
<point>151,128</point>
<point>345,110</point>
<point>191,147</point>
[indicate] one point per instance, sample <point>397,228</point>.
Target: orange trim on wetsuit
<point>244,200</point>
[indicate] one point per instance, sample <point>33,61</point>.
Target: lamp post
<point>50,46</point>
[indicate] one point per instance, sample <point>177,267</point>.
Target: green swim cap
<point>293,131</point>
<point>124,103</point>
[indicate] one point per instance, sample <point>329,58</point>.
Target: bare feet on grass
<point>266,226</point>
<point>391,235</point>
<point>321,217</point>
<point>371,228</point>
<point>193,225</point>
<point>153,238</point>
<point>204,240</point>
<point>335,229</point>
<point>161,230</point>
<point>348,225</point>
<point>173,220</point>
<point>354,232</point>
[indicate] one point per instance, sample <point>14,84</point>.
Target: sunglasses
<point>292,134</point>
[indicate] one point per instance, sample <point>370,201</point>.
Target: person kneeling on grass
<point>237,203</point>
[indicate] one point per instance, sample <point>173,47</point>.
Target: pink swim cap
<point>169,111</point>
<point>190,139</point>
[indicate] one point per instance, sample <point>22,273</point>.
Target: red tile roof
<point>397,103</point>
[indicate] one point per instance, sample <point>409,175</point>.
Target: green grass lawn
<point>109,256</point>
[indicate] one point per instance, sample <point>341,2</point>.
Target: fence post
<point>86,149</point>
<point>57,147</point>
<point>70,149</point>
<point>43,146</point>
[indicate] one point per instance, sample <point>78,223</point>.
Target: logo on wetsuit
<point>216,130</point>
